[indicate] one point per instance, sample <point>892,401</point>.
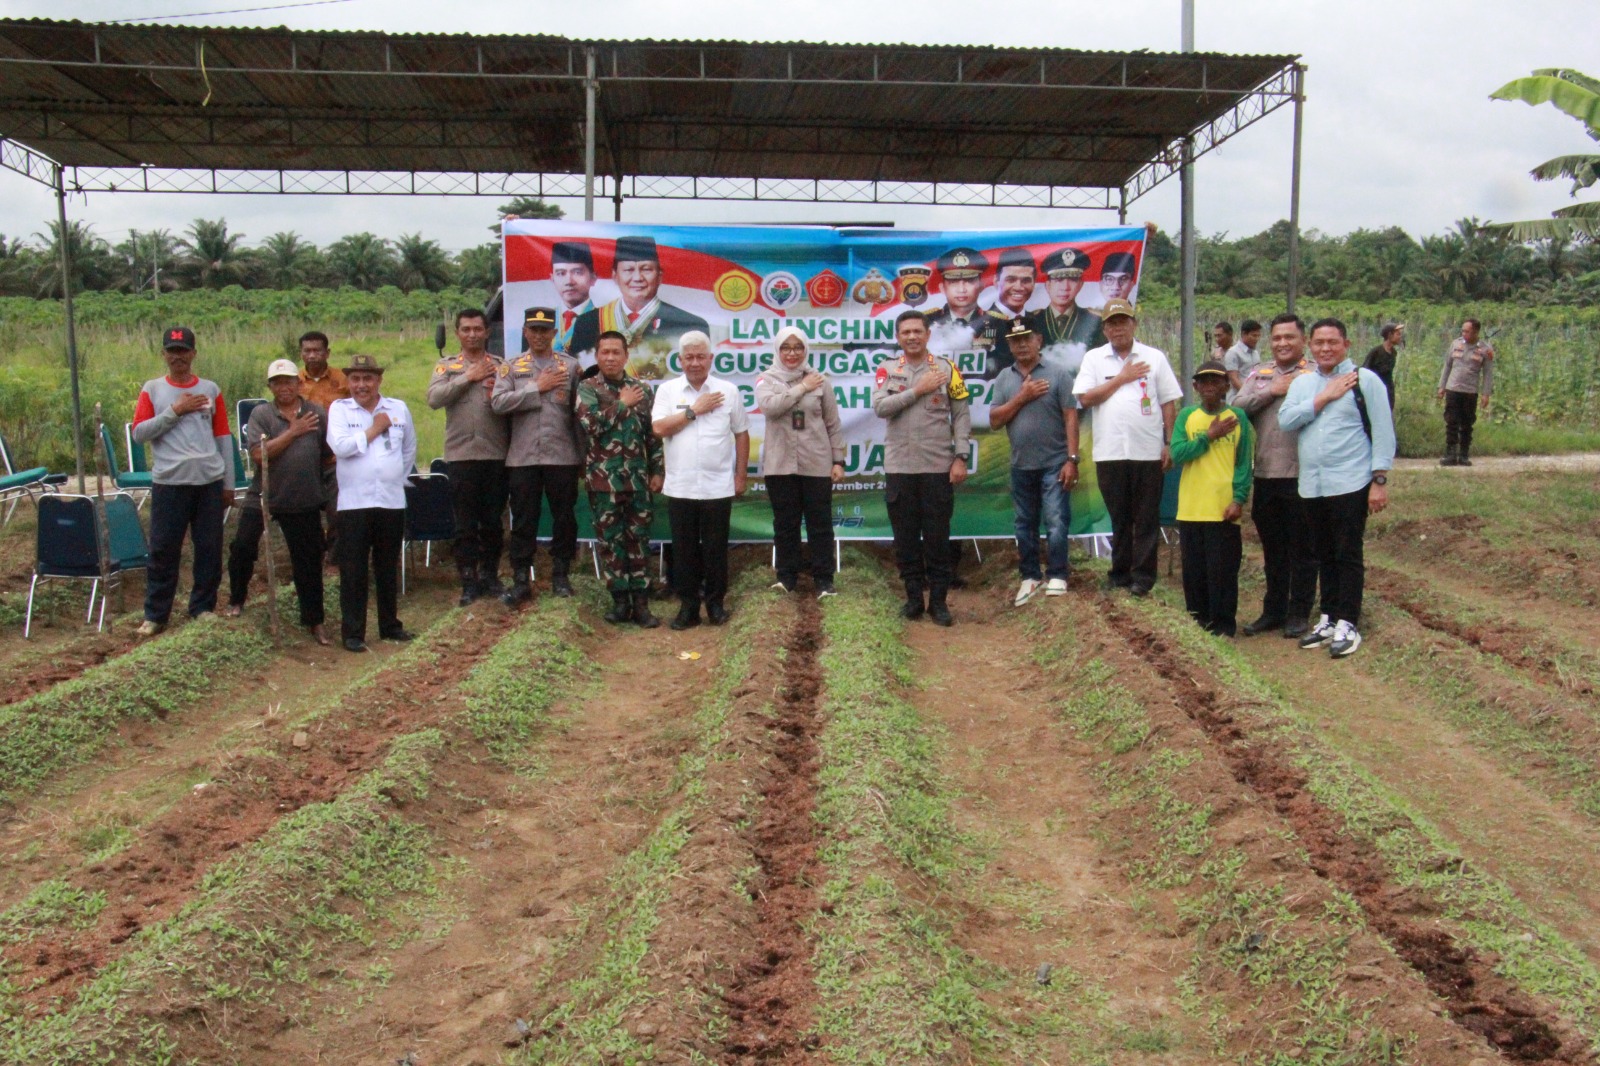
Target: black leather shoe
<point>1260,625</point>
<point>560,584</point>
<point>399,636</point>
<point>1296,629</point>
<point>940,614</point>
<point>1140,591</point>
<point>688,617</point>
<point>516,595</point>
<point>716,613</point>
<point>352,644</point>
<point>911,610</point>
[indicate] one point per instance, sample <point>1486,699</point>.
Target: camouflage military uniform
<point>623,455</point>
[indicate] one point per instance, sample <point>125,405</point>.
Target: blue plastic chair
<point>430,516</point>
<point>17,485</point>
<point>69,549</point>
<point>137,477</point>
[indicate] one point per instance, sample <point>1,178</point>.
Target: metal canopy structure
<point>96,107</point>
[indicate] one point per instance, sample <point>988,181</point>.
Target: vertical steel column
<point>72,325</point>
<point>1122,206</point>
<point>591,89</point>
<point>1190,256</point>
<point>616,199</point>
<point>1294,187</point>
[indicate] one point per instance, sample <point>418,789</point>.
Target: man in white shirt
<point>1133,394</point>
<point>706,434</point>
<point>375,443</point>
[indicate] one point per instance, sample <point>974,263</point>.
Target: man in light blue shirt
<point>1346,449</point>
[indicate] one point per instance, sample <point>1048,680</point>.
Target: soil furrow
<point>1475,997</point>
<point>770,1001</point>
<point>152,879</point>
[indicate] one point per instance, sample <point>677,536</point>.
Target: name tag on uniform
<point>797,419</point>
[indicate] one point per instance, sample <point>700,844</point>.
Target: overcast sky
<point>1399,128</point>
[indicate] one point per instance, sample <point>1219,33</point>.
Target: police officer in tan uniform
<point>538,391</point>
<point>475,442</point>
<point>925,403</point>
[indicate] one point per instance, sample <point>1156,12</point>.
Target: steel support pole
<point>1190,257</point>
<point>591,90</point>
<point>72,325</point>
<point>1122,206</point>
<point>616,199</point>
<point>1294,187</point>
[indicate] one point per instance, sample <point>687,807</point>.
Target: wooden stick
<point>102,533</point>
<point>266,534</point>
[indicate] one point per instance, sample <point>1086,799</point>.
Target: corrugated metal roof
<point>91,94</point>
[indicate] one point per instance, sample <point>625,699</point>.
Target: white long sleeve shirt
<point>372,473</point>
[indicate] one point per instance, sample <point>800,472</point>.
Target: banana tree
<point>1578,95</point>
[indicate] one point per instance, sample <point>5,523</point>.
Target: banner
<point>842,288</point>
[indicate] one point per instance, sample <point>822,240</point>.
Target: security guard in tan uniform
<point>925,403</point>
<point>475,441</point>
<point>538,391</point>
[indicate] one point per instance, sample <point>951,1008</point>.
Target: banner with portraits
<point>842,288</point>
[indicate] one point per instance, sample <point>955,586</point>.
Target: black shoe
<point>1140,591</point>
<point>911,610</point>
<point>353,644</point>
<point>1296,629</point>
<point>489,582</point>
<point>1450,460</point>
<point>688,617</point>
<point>1260,625</point>
<point>1110,585</point>
<point>518,594</point>
<point>469,586</point>
<point>939,613</point>
<point>957,581</point>
<point>399,636</point>
<point>621,609</point>
<point>560,584</point>
<point>825,589</point>
<point>641,611</point>
<point>716,613</point>
<point>1461,460</point>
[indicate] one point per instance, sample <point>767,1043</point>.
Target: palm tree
<point>423,264</point>
<point>1577,95</point>
<point>147,260</point>
<point>527,207</point>
<point>93,266</point>
<point>479,267</point>
<point>286,260</point>
<point>364,260</point>
<point>16,267</point>
<point>212,257</point>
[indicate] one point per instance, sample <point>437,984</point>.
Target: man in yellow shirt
<point>1212,444</point>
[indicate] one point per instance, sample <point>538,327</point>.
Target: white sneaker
<point>1346,639</point>
<point>1320,636</point>
<point>1025,591</point>
<point>1056,586</point>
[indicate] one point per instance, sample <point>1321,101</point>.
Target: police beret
<point>571,253</point>
<point>959,263</point>
<point>637,250</point>
<point>1065,263</point>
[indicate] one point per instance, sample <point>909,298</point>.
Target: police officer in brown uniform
<point>475,443</point>
<point>538,391</point>
<point>926,443</point>
<point>1465,384</point>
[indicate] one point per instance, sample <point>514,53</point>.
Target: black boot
<point>688,616</point>
<point>489,579</point>
<point>1466,445</point>
<point>621,609</point>
<point>641,610</point>
<point>912,610</point>
<point>1451,435</point>
<point>938,610</point>
<point>469,585</point>
<point>559,583</point>
<point>519,592</point>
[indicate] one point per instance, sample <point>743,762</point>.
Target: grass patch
<point>71,721</point>
<point>510,693</point>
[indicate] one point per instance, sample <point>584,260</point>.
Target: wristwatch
<point>1380,479</point>
<point>689,414</point>
<point>1073,459</point>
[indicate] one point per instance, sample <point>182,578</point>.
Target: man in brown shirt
<point>322,384</point>
<point>475,442</point>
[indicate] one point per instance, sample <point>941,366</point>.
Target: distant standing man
<point>184,419</point>
<point>322,384</point>
<point>706,434</point>
<point>1346,450</point>
<point>1382,358</point>
<point>1465,385</point>
<point>1243,357</point>
<point>375,442</point>
<point>1278,511</point>
<point>1221,340</point>
<point>538,392</point>
<point>293,432</point>
<point>926,443</point>
<point>1033,403</point>
<point>572,273</point>
<point>475,443</point>
<point>1134,395</point>
<point>624,472</point>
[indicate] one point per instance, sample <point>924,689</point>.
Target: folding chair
<point>135,479</point>
<point>241,478</point>
<point>68,547</point>
<point>241,411</point>
<point>439,466</point>
<point>430,516</point>
<point>16,484</point>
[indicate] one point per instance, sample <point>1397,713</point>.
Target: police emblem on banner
<point>825,289</point>
<point>780,289</point>
<point>914,284</point>
<point>873,289</point>
<point>734,291</point>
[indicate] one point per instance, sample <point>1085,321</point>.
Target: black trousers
<point>330,514</point>
<point>1280,518</point>
<point>1338,525</point>
<point>920,506</point>
<point>1211,554</point>
<point>176,511</point>
<point>699,548</point>
<point>1132,491</point>
<point>1460,415</point>
<point>302,534</point>
<point>375,534</point>
<point>528,487</point>
<point>478,490</point>
<point>797,497</point>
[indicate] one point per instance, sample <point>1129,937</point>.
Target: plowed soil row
<point>770,1000</point>
<point>1520,1027</point>
<point>152,879</point>
<point>42,668</point>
